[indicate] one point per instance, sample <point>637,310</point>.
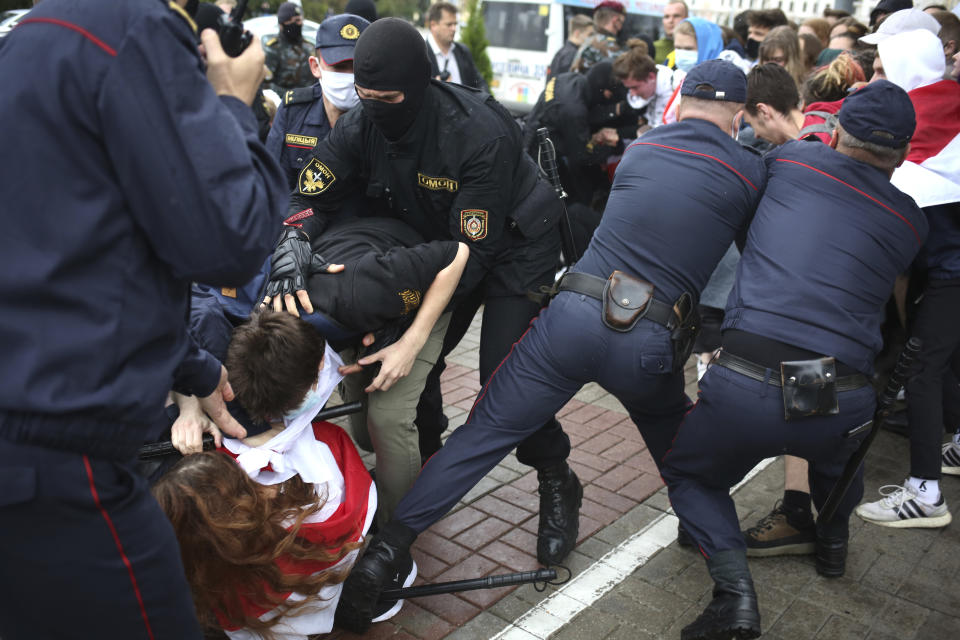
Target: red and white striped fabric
<point>931,173</point>
<point>346,515</point>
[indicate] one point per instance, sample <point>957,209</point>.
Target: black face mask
<point>753,48</point>
<point>292,33</point>
<point>391,56</point>
<point>391,119</point>
<point>191,8</point>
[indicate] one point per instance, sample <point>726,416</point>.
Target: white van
<point>524,36</point>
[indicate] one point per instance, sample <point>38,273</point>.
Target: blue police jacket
<point>124,179</point>
<point>830,236</point>
<point>301,122</point>
<point>680,196</point>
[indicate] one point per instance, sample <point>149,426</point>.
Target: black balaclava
<point>191,8</point>
<point>292,33</point>
<point>599,79</point>
<point>391,56</point>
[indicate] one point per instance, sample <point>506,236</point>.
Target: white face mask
<point>327,380</point>
<point>685,59</point>
<point>338,88</point>
<point>638,102</point>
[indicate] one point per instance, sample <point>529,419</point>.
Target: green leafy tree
<point>474,37</point>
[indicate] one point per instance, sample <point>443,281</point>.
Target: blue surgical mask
<point>685,59</point>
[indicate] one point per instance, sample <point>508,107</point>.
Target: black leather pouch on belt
<point>625,300</point>
<point>809,388</point>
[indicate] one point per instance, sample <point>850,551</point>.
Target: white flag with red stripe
<point>931,173</point>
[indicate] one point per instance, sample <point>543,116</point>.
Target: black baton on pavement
<point>161,449</point>
<point>547,160</point>
<point>490,582</point>
<point>885,403</point>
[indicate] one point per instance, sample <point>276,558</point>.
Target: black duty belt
<point>759,372</point>
<point>590,285</point>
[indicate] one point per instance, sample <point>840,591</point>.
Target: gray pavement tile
<point>787,573</point>
<point>694,581</point>
<point>773,602</point>
<point>638,590</point>
<point>887,574</point>
<point>939,626</point>
<point>845,597</point>
<point>842,628</point>
<point>592,623</point>
<point>801,621</point>
<point>658,501</point>
<point>483,627</point>
<point>628,524</point>
<point>898,618</point>
<point>667,564</point>
<point>627,632</point>
<point>906,544</point>
<point>594,548</point>
<point>933,589</point>
<point>510,607</point>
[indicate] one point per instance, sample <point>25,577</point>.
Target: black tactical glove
<point>293,261</point>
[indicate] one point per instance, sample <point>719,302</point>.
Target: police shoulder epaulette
<point>272,41</point>
<point>298,96</point>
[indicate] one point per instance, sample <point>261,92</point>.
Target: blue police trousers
<point>736,423</point>
<point>564,348</point>
<point>86,552</point>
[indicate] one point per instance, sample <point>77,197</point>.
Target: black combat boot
<point>831,547</point>
<point>831,557</point>
<point>733,612</point>
<point>561,495</point>
<point>381,565</point>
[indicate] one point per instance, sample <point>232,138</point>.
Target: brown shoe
<point>780,534</point>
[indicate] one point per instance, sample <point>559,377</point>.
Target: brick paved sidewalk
<point>493,529</point>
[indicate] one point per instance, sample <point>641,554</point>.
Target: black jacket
<point>468,70</point>
<point>562,59</point>
<point>459,173</point>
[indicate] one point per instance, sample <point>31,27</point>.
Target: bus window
<point>517,25</point>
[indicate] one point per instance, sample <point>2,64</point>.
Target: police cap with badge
<point>336,39</point>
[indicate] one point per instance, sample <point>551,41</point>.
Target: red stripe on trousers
<point>116,539</point>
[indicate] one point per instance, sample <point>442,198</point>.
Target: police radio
<point>233,37</point>
<point>547,161</point>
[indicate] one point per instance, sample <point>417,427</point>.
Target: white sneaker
<point>900,508</point>
<point>950,459</point>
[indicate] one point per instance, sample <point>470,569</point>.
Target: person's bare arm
<point>186,433</point>
<point>397,359</point>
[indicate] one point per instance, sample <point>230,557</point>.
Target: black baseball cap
<point>286,11</point>
<point>715,80</point>
<point>338,35</point>
<point>880,113</point>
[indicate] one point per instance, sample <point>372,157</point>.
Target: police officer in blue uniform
<point>306,115</point>
<point>801,332</point>
<point>100,242</point>
<point>625,316</point>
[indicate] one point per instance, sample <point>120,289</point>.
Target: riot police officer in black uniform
<point>448,161</point>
